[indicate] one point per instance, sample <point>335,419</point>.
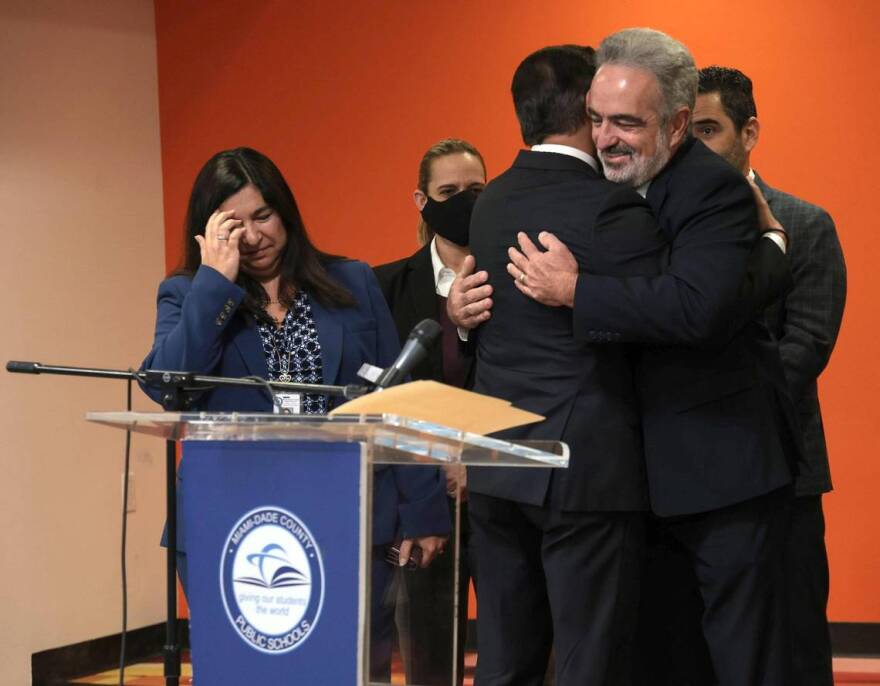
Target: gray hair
<point>653,51</point>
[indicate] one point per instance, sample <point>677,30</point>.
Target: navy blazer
<point>200,329</point>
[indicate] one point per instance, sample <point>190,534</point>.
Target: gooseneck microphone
<point>415,349</point>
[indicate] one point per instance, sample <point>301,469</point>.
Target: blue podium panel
<point>276,540</point>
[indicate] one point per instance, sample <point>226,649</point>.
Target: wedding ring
<point>522,278</point>
<point>222,237</point>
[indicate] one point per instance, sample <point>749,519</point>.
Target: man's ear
<point>420,199</point>
<point>751,130</point>
<point>679,126</point>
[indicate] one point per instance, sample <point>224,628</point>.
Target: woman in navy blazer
<point>254,297</point>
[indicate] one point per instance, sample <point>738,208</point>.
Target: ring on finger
<point>222,237</point>
<point>522,278</point>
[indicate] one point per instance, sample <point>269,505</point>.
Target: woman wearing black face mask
<point>451,174</point>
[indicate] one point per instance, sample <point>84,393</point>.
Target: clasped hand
<point>431,546</point>
<point>548,276</point>
<point>469,298</point>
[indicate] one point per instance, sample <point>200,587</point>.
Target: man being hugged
<point>558,551</point>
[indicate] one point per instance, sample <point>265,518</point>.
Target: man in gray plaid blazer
<point>806,322</point>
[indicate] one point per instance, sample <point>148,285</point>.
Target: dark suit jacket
<point>719,425</point>
<point>527,353</point>
<point>409,289</point>
<point>806,321</point>
<point>198,329</point>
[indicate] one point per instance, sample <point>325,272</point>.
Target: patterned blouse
<point>293,352</point>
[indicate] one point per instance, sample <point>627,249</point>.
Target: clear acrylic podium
<point>285,584</point>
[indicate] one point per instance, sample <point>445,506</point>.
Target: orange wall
<point>345,101</point>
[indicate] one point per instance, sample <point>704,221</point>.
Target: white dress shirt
<point>443,275</point>
<point>568,150</point>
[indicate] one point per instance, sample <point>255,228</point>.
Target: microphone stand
<point>177,389</point>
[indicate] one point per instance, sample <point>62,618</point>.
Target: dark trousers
<point>426,613</point>
<point>569,580</point>
<point>807,573</point>
<point>382,600</point>
<point>715,597</point>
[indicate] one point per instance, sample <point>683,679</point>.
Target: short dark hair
<point>302,264</point>
<point>549,88</point>
<point>735,90</point>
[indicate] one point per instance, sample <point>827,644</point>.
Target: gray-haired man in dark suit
<point>806,322</point>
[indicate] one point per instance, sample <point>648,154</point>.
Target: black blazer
<point>718,422</point>
<point>527,353</point>
<point>409,289</point>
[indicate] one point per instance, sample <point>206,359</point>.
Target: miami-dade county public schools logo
<point>272,580</point>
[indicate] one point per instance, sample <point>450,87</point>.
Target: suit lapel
<point>422,294</point>
<point>468,364</point>
<point>658,189</point>
<point>330,335</point>
<point>246,340</point>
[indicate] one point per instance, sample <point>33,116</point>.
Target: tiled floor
<point>856,671</point>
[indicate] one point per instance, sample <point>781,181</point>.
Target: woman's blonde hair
<point>447,146</point>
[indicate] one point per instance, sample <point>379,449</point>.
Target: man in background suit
<point>558,551</point>
<point>806,322</point>
<point>451,174</point>
<point>717,421</point>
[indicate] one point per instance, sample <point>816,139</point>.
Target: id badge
<point>287,403</point>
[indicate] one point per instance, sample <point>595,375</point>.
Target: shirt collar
<point>751,174</point>
<point>568,150</point>
<point>443,275</point>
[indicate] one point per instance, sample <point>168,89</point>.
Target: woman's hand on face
<point>219,245</point>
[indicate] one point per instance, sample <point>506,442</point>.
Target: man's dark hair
<point>549,87</point>
<point>735,90</point>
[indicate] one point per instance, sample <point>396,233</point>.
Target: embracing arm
<point>768,278</point>
<point>691,302</point>
<point>768,275</point>
<point>623,240</point>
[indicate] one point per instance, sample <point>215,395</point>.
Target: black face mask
<point>451,218</point>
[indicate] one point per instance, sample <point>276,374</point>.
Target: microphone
<point>416,347</point>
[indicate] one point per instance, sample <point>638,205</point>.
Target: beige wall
<point>82,252</point>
